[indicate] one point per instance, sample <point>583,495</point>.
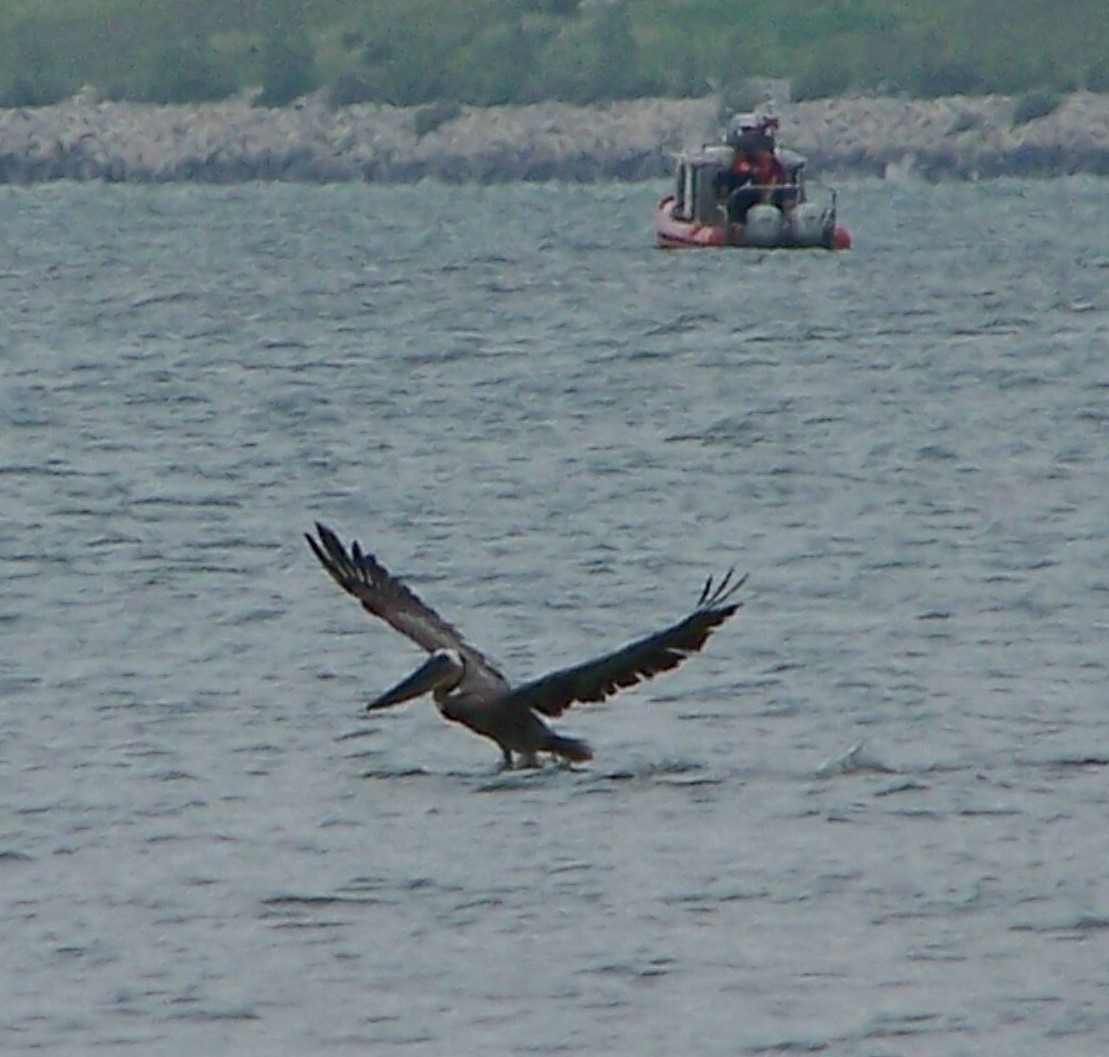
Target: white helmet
<point>746,122</point>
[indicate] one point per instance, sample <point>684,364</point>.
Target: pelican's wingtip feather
<point>716,593</point>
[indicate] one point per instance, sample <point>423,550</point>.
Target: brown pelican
<point>469,689</point>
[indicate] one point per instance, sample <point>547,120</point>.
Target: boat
<point>786,214</point>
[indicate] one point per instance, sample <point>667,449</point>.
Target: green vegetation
<point>422,52</point>
<point>1038,103</point>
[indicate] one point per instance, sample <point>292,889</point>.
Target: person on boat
<point>783,169</point>
<point>754,174</point>
<point>768,170</point>
<point>741,124</point>
<point>741,171</point>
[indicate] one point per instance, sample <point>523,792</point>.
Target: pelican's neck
<point>444,690</point>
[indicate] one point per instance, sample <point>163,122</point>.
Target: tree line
<point>489,52</point>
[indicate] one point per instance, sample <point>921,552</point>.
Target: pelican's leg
<point>506,759</point>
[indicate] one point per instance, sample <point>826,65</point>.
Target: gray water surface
<point>871,819</point>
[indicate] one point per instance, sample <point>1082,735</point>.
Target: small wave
<point>681,773</point>
<point>305,900</point>
<point>167,297</point>
<point>856,760</point>
<point>632,970</point>
<point>215,1014</point>
<point>1081,923</point>
<point>291,909</point>
<point>908,786</point>
<point>1079,761</point>
<point>397,773</point>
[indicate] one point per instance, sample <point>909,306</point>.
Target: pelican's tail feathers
<point>573,749</point>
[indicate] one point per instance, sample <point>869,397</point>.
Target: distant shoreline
<point>234,141</point>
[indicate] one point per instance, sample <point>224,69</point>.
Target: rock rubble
<point>232,141</point>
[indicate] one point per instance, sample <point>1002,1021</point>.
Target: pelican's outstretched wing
<point>635,663</point>
<point>382,594</point>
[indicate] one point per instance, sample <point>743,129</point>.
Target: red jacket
<point>768,170</point>
<point>765,170</point>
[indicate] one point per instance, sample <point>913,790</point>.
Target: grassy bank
<point>485,52</point>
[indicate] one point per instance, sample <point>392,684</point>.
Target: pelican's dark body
<point>468,688</point>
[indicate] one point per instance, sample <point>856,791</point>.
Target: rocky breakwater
<point>960,137</point>
<point>85,139</point>
<point>88,139</point>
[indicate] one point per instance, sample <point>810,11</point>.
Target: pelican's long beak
<point>439,668</point>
